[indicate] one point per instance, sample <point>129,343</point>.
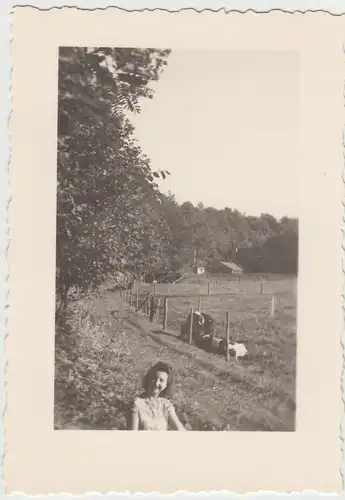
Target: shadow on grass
<point>164,332</point>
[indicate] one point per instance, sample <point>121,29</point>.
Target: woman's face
<point>159,382</point>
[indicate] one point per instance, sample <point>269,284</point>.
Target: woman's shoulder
<point>167,404</point>
<point>138,402</point>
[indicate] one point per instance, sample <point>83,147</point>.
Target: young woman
<point>152,411</point>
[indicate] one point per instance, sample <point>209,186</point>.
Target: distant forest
<point>258,244</point>
<point>112,219</point>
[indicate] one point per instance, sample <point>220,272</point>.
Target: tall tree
<point>103,176</point>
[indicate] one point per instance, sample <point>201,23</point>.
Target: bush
<point>88,355</point>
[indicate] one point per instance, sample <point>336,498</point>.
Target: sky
<point>225,124</point>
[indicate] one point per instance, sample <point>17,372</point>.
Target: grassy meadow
<point>105,347</point>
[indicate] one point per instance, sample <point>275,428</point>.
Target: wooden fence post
<point>191,326</point>
<point>137,301</point>
<point>208,288</point>
<point>261,285</point>
<point>158,309</point>
<point>227,335</point>
<point>154,288</point>
<point>165,318</point>
<point>273,305</point>
<point>152,308</point>
<point>199,304</point>
<point>130,299</point>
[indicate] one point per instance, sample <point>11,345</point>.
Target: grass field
<point>105,347</point>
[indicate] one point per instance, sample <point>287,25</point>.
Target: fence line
<point>165,314</point>
<point>191,327</point>
<point>151,306</point>
<point>151,303</point>
<point>178,313</point>
<point>227,335</point>
<point>144,302</point>
<point>213,287</point>
<point>273,305</point>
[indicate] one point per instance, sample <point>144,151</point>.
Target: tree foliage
<point>106,187</point>
<point>259,244</point>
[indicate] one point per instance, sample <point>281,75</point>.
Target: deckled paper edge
<point>4,269</point>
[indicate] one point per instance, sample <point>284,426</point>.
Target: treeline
<point>112,220</point>
<point>258,244</point>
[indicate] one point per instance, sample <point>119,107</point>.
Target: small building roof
<point>232,266</point>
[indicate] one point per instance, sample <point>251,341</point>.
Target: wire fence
<point>223,284</point>
<point>233,312</point>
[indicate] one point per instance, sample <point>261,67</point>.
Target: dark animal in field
<point>202,329</point>
<point>203,336</point>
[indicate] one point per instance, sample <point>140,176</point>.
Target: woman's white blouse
<point>153,413</point>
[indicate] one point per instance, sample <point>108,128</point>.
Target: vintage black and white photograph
<point>176,239</point>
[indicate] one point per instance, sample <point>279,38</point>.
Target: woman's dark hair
<point>160,367</point>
